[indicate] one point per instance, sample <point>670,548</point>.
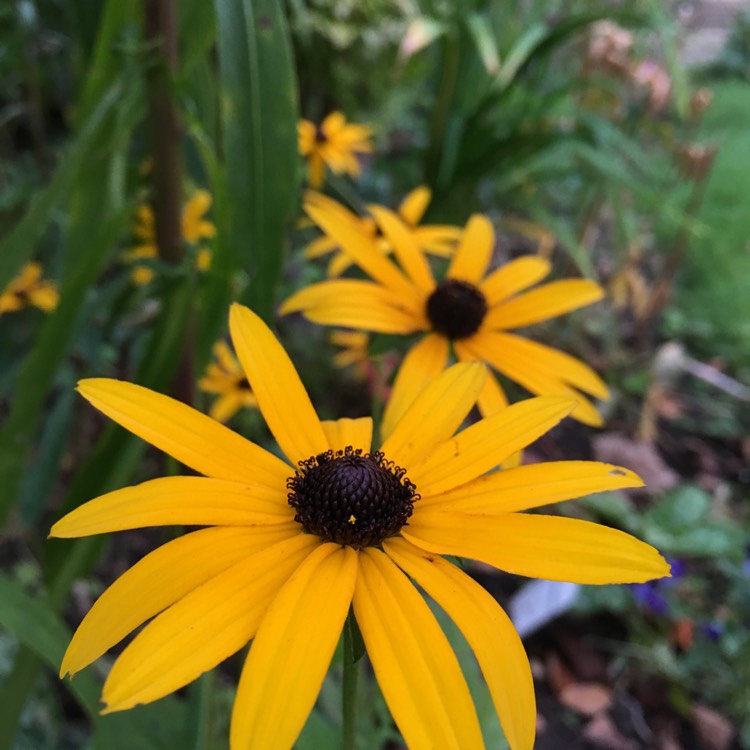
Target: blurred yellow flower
<point>225,378</point>
<point>28,289</point>
<point>436,239</point>
<point>469,311</point>
<point>295,543</point>
<point>354,350</point>
<point>334,144</point>
<point>195,228</point>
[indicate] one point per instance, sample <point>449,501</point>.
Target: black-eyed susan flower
<point>335,144</point>
<point>227,380</point>
<point>195,228</point>
<point>292,543</point>
<point>470,312</point>
<point>28,289</point>
<point>435,239</point>
<point>353,350</point>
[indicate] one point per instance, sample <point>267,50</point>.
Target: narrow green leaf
<point>259,112</point>
<point>481,32</point>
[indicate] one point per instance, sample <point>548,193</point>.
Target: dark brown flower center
<point>243,384</point>
<point>350,497</point>
<point>320,136</point>
<point>456,308</point>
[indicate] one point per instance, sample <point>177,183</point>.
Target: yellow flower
<point>354,351</point>
<point>195,227</point>
<point>469,310</point>
<point>28,289</point>
<point>334,144</point>
<point>293,543</point>
<point>226,378</point>
<point>436,239</point>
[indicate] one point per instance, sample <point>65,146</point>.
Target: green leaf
<point>259,113</point>
<point>481,32</point>
<point>35,625</point>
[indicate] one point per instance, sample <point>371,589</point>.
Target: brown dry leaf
<point>587,698</point>
<point>642,458</point>
<point>713,728</point>
<point>602,731</point>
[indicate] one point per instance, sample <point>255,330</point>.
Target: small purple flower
<point>712,630</point>
<point>649,597</point>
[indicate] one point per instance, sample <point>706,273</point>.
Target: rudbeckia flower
<point>435,239</point>
<point>27,290</point>
<point>334,144</point>
<point>195,228</point>
<point>293,543</point>
<point>226,378</point>
<point>470,312</point>
<point>354,350</point>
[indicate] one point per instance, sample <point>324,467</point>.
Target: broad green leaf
<point>33,623</point>
<point>259,114</point>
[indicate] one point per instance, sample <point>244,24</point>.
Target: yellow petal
<point>291,652</point>
<point>559,549</point>
<point>533,485</point>
<point>414,664</point>
<point>423,363</point>
<point>405,247</point>
<point>193,501</point>
<point>226,406</point>
<point>492,397</point>
<point>362,250</point>
<point>474,251</point>
<point>282,398</point>
<point>414,205</point>
<point>484,445</point>
<point>435,414</point>
<point>159,580</point>
<point>543,303</point>
<point>203,628</point>
<point>344,432</point>
<point>437,239</point>
<point>355,304</point>
<point>514,277</point>
<point>487,629</point>
<point>184,433</point>
<point>540,369</point>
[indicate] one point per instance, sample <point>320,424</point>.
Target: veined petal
<point>414,205</point>
<point>204,627</point>
<point>159,580</point>
<point>533,485</point>
<point>543,303</point>
<point>437,239</point>
<point>514,277</point>
<point>422,363</point>
<point>510,355</point>
<point>355,304</point>
<point>558,549</point>
<point>282,399</point>
<point>405,247</point>
<point>489,632</point>
<point>362,250</point>
<point>291,652</point>
<point>435,414</point>
<point>184,433</point>
<point>193,501</point>
<point>484,445</point>
<point>344,432</point>
<point>492,397</point>
<point>474,251</point>
<point>414,664</point>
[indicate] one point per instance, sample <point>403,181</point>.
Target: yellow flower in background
<point>436,239</point>
<point>195,228</point>
<point>334,144</point>
<point>292,543</point>
<point>226,378</point>
<point>354,351</point>
<point>470,311</point>
<point>27,289</point>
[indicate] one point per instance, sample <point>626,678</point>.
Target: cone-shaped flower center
<point>456,308</point>
<point>350,497</point>
<point>243,384</point>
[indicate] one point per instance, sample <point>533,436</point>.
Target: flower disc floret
<point>351,498</point>
<point>456,308</point>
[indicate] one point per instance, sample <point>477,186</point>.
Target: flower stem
<point>349,688</point>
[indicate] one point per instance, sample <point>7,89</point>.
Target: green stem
<point>349,688</point>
